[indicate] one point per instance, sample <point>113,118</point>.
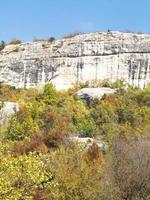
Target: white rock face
<point>9,109</point>
<point>90,94</point>
<point>81,139</point>
<point>94,56</point>
<point>88,141</point>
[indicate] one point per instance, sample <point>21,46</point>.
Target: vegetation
<point>71,35</point>
<point>2,45</point>
<point>51,39</point>
<point>39,40</point>
<point>1,104</point>
<point>15,41</point>
<point>38,162</point>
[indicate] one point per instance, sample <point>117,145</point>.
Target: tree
<point>21,177</point>
<point>51,39</point>
<point>2,45</point>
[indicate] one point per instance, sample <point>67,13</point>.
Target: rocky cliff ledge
<point>94,56</point>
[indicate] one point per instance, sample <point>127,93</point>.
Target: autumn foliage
<point>40,162</point>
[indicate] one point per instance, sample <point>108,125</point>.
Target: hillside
<point>88,142</point>
<point>94,56</point>
<point>58,146</point>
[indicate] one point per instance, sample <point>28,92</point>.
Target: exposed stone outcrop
<point>94,56</point>
<point>89,94</point>
<point>87,142</point>
<point>8,109</point>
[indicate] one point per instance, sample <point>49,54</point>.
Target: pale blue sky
<point>29,19</point>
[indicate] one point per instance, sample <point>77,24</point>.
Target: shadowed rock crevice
<point>93,56</point>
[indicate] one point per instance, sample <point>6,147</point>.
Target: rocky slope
<point>94,56</point>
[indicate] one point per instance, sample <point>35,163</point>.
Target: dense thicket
<point>38,164</point>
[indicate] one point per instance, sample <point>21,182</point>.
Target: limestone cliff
<point>94,56</point>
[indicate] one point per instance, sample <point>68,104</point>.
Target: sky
<point>32,19</point>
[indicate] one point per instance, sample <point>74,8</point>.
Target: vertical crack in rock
<point>93,56</point>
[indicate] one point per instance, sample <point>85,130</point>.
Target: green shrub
<point>71,35</point>
<point>49,94</point>
<point>87,128</point>
<point>51,39</point>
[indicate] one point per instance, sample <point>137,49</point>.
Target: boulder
<point>89,94</point>
<point>87,142</point>
<point>8,109</point>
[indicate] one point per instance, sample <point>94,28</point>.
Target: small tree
<point>51,39</point>
<point>2,45</point>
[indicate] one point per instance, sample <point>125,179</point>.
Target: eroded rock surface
<point>94,56</point>
<point>89,94</point>
<point>8,109</point>
<point>88,141</point>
